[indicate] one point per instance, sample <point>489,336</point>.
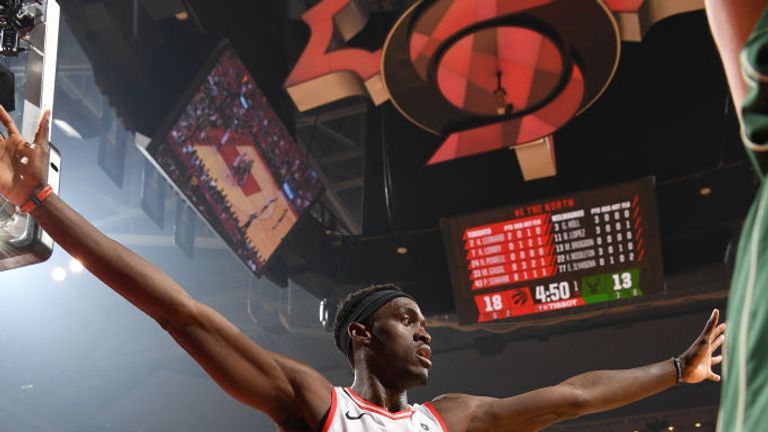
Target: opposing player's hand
<point>23,165</point>
<point>698,359</point>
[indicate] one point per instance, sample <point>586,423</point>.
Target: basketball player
<point>740,28</point>
<point>380,329</point>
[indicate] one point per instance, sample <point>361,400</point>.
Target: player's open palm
<point>697,360</point>
<point>23,165</point>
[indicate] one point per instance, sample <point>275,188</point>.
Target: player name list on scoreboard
<point>555,258</point>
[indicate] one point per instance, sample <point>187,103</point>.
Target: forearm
<point>731,22</point>
<point>131,276</point>
<point>246,371</point>
<point>604,390</point>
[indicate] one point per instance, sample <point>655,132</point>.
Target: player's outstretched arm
<point>584,394</point>
<point>281,387</point>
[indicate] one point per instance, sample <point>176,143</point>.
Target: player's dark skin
<point>390,352</point>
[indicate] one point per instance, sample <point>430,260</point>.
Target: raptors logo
<point>483,74</point>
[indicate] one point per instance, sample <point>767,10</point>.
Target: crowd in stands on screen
<point>190,174</point>
<point>230,105</point>
<point>219,105</point>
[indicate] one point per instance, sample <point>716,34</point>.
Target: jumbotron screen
<point>229,154</point>
<point>556,255</point>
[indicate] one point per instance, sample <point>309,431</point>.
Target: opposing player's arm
<point>583,394</point>
<point>264,380</point>
<point>731,23</point>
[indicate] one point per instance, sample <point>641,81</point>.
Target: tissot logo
<point>483,74</point>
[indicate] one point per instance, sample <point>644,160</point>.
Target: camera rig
<point>17,18</point>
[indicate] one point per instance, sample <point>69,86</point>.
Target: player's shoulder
<point>458,409</point>
<point>311,396</point>
<point>302,373</point>
<point>458,403</point>
<point>459,398</point>
<point>754,114</point>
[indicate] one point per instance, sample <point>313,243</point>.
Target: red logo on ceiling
<point>485,74</point>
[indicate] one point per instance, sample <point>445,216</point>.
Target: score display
<point>551,256</point>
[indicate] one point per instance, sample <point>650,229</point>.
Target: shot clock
<point>550,256</point>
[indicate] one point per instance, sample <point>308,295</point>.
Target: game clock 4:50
<point>555,291</point>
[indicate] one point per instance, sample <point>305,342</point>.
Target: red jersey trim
<point>331,412</point>
<point>439,418</point>
<point>363,404</point>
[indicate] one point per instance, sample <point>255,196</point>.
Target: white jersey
<point>350,413</point>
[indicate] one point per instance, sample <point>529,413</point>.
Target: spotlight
<point>59,274</point>
<point>76,266</point>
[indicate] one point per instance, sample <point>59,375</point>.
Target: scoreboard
<point>551,256</point>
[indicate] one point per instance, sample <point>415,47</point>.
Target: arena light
<point>75,266</point>
<point>59,274</point>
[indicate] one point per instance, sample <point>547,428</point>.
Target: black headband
<point>363,311</point>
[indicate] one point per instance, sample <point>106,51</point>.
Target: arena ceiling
<point>665,114</point>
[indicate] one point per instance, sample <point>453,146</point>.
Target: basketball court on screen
<point>258,198</point>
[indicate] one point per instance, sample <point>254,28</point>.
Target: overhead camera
<point>17,18</point>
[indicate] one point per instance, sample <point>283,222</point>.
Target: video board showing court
<point>230,155</point>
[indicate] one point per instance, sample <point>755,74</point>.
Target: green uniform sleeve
<point>744,397</point>
<point>754,60</point>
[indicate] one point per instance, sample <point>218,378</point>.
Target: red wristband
<point>37,199</point>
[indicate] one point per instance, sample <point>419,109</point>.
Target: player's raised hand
<point>23,165</point>
<point>697,360</point>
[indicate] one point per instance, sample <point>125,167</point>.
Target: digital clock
<point>555,255</point>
